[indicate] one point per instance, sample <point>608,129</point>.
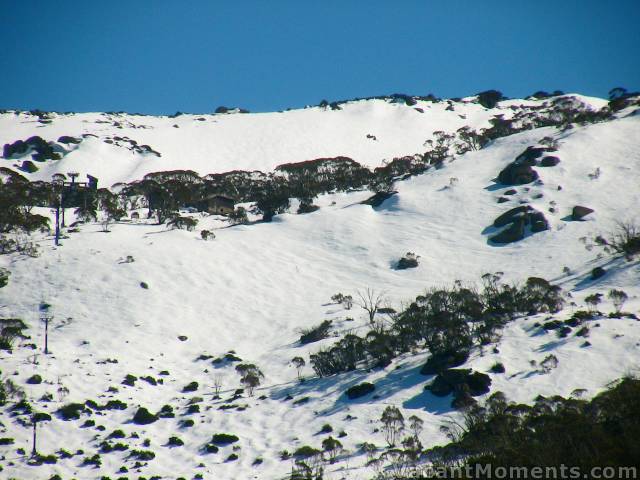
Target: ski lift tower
<point>58,186</point>
<point>71,186</point>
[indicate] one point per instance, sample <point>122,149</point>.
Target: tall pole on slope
<point>34,451</point>
<point>45,317</point>
<point>57,184</point>
<point>57,239</point>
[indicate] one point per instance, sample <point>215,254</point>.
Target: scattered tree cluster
<point>446,321</point>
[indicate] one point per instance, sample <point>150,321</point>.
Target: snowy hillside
<point>234,141</point>
<point>162,305</point>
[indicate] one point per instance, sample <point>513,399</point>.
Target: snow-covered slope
<point>254,287</point>
<point>225,142</point>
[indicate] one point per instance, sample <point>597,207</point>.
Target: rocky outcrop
<point>42,150</point>
<point>516,220</point>
<point>520,171</point>
<point>512,233</point>
<point>549,161</point>
<point>517,174</point>
<point>579,212</point>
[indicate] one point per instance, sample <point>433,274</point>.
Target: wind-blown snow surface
<point>225,142</point>
<point>252,288</point>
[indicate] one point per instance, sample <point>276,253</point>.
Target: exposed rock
<point>597,273</point>
<point>28,166</point>
<point>538,222</point>
<point>549,161</point>
<point>516,174</point>
<point>502,199</point>
<point>378,199</point>
<point>512,233</point>
<point>410,260</point>
<point>579,212</point>
<point>529,156</point>
<point>511,215</point>
<point>511,191</point>
<point>66,139</point>
<point>16,148</point>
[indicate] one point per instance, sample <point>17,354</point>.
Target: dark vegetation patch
<point>553,431</point>
<point>446,321</point>
<point>144,417</point>
<point>317,333</point>
<point>360,390</point>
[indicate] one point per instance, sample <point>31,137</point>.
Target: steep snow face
<point>253,287</point>
<point>225,142</point>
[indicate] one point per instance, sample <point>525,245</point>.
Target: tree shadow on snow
<point>395,381</point>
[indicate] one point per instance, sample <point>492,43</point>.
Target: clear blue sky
<point>160,56</point>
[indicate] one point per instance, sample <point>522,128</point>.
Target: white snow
<point>252,288</point>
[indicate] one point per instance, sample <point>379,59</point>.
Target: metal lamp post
<point>45,317</point>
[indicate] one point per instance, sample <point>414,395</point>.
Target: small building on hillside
<point>217,205</point>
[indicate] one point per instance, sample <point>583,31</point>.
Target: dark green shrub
<point>316,333</point>
<point>115,405</point>
<point>94,460</point>
<point>306,452</point>
<point>360,390</point>
<point>185,223</point>
<point>326,428</point>
<point>71,411</point>
<point>211,448</point>
<point>497,368</point>
<point>142,455</point>
<point>166,412</point>
<point>34,379</point>
<point>441,361</point>
<point>223,439</point>
<point>191,387</point>
<point>144,417</point>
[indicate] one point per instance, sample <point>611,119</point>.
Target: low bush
<point>144,417</point>
<point>184,223</point>
<point>142,455</point>
<point>549,433</point>
<point>71,411</point>
<point>223,439</point>
<point>360,390</point>
<point>316,333</point>
<point>497,367</point>
<point>175,442</point>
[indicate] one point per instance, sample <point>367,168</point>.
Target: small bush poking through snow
<point>316,333</point>
<point>71,411</point>
<point>144,417</point>
<point>497,368</point>
<point>223,439</point>
<point>360,390</point>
